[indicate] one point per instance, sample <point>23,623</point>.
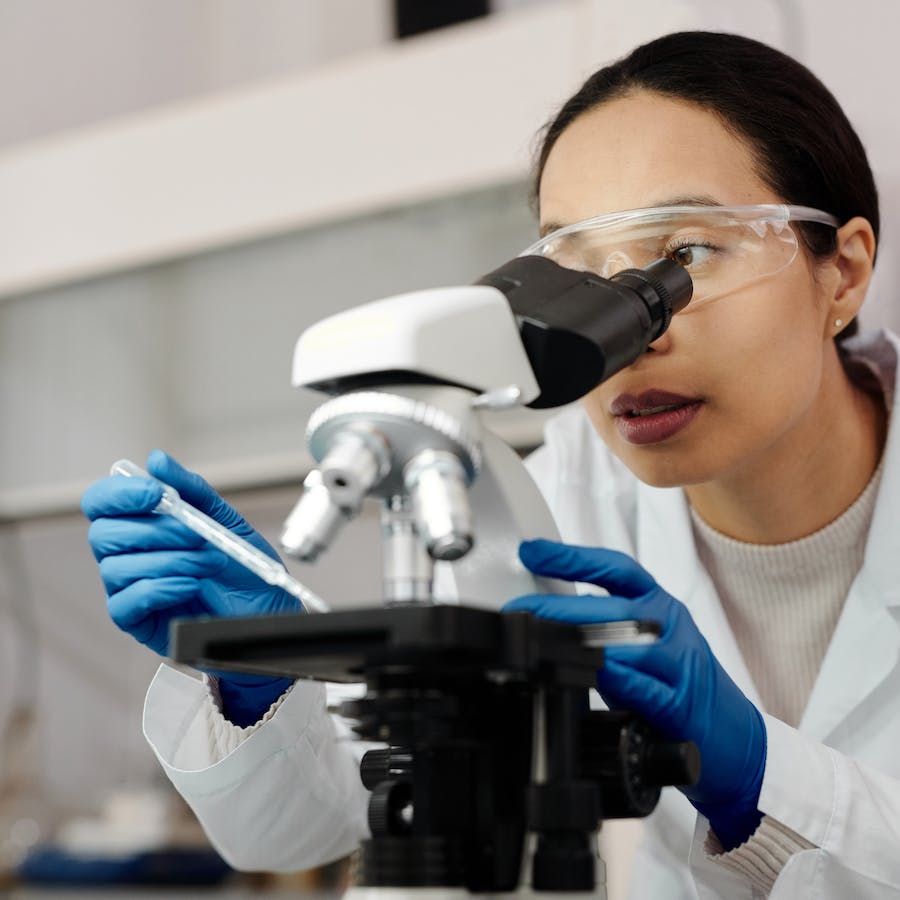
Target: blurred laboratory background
<point>185,185</point>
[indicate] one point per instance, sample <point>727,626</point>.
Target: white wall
<point>447,114</point>
<point>859,66</point>
<point>434,116</point>
<point>67,64</point>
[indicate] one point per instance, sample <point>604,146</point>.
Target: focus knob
<point>384,763</point>
<point>391,809</point>
<point>373,768</point>
<point>672,762</point>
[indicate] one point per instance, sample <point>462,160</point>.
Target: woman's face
<point>748,367</point>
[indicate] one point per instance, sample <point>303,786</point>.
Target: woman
<point>743,466</point>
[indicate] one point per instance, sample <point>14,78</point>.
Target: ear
<point>852,262</point>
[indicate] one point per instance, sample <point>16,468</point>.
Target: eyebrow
<point>680,200</point>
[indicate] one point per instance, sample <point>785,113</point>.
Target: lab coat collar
<point>866,641</point>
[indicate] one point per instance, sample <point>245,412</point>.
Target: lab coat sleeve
<point>847,811</point>
<point>288,797</point>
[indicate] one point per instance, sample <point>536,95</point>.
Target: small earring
<point>838,323</point>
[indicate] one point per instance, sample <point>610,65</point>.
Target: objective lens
<point>356,461</point>
<point>313,522</point>
<point>436,482</point>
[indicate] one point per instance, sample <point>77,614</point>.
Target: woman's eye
<point>691,254</point>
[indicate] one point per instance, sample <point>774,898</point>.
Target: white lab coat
<point>289,796</point>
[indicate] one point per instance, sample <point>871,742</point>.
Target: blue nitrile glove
<point>676,683</point>
<point>155,570</point>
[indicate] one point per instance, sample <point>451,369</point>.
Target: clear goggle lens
<point>723,249</point>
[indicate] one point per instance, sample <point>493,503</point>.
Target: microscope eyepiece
<point>664,286</point>
<point>577,328</point>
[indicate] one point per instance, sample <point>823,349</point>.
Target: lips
<point>654,415</point>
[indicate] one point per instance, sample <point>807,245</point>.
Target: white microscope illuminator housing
<point>458,335</point>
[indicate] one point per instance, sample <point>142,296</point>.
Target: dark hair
<point>805,147</point>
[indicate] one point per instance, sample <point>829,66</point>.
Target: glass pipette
<point>270,570</point>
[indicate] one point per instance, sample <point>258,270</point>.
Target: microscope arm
<point>508,508</point>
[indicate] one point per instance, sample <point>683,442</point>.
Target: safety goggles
<point>723,248</point>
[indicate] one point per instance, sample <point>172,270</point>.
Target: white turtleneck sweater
<point>783,601</point>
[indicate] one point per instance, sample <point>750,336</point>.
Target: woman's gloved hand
<point>155,570</point>
<point>676,683</point>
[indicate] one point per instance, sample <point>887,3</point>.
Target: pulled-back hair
<point>804,146</point>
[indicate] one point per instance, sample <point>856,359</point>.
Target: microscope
<point>494,772</point>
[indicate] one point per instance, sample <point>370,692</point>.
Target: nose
<point>663,343</point>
